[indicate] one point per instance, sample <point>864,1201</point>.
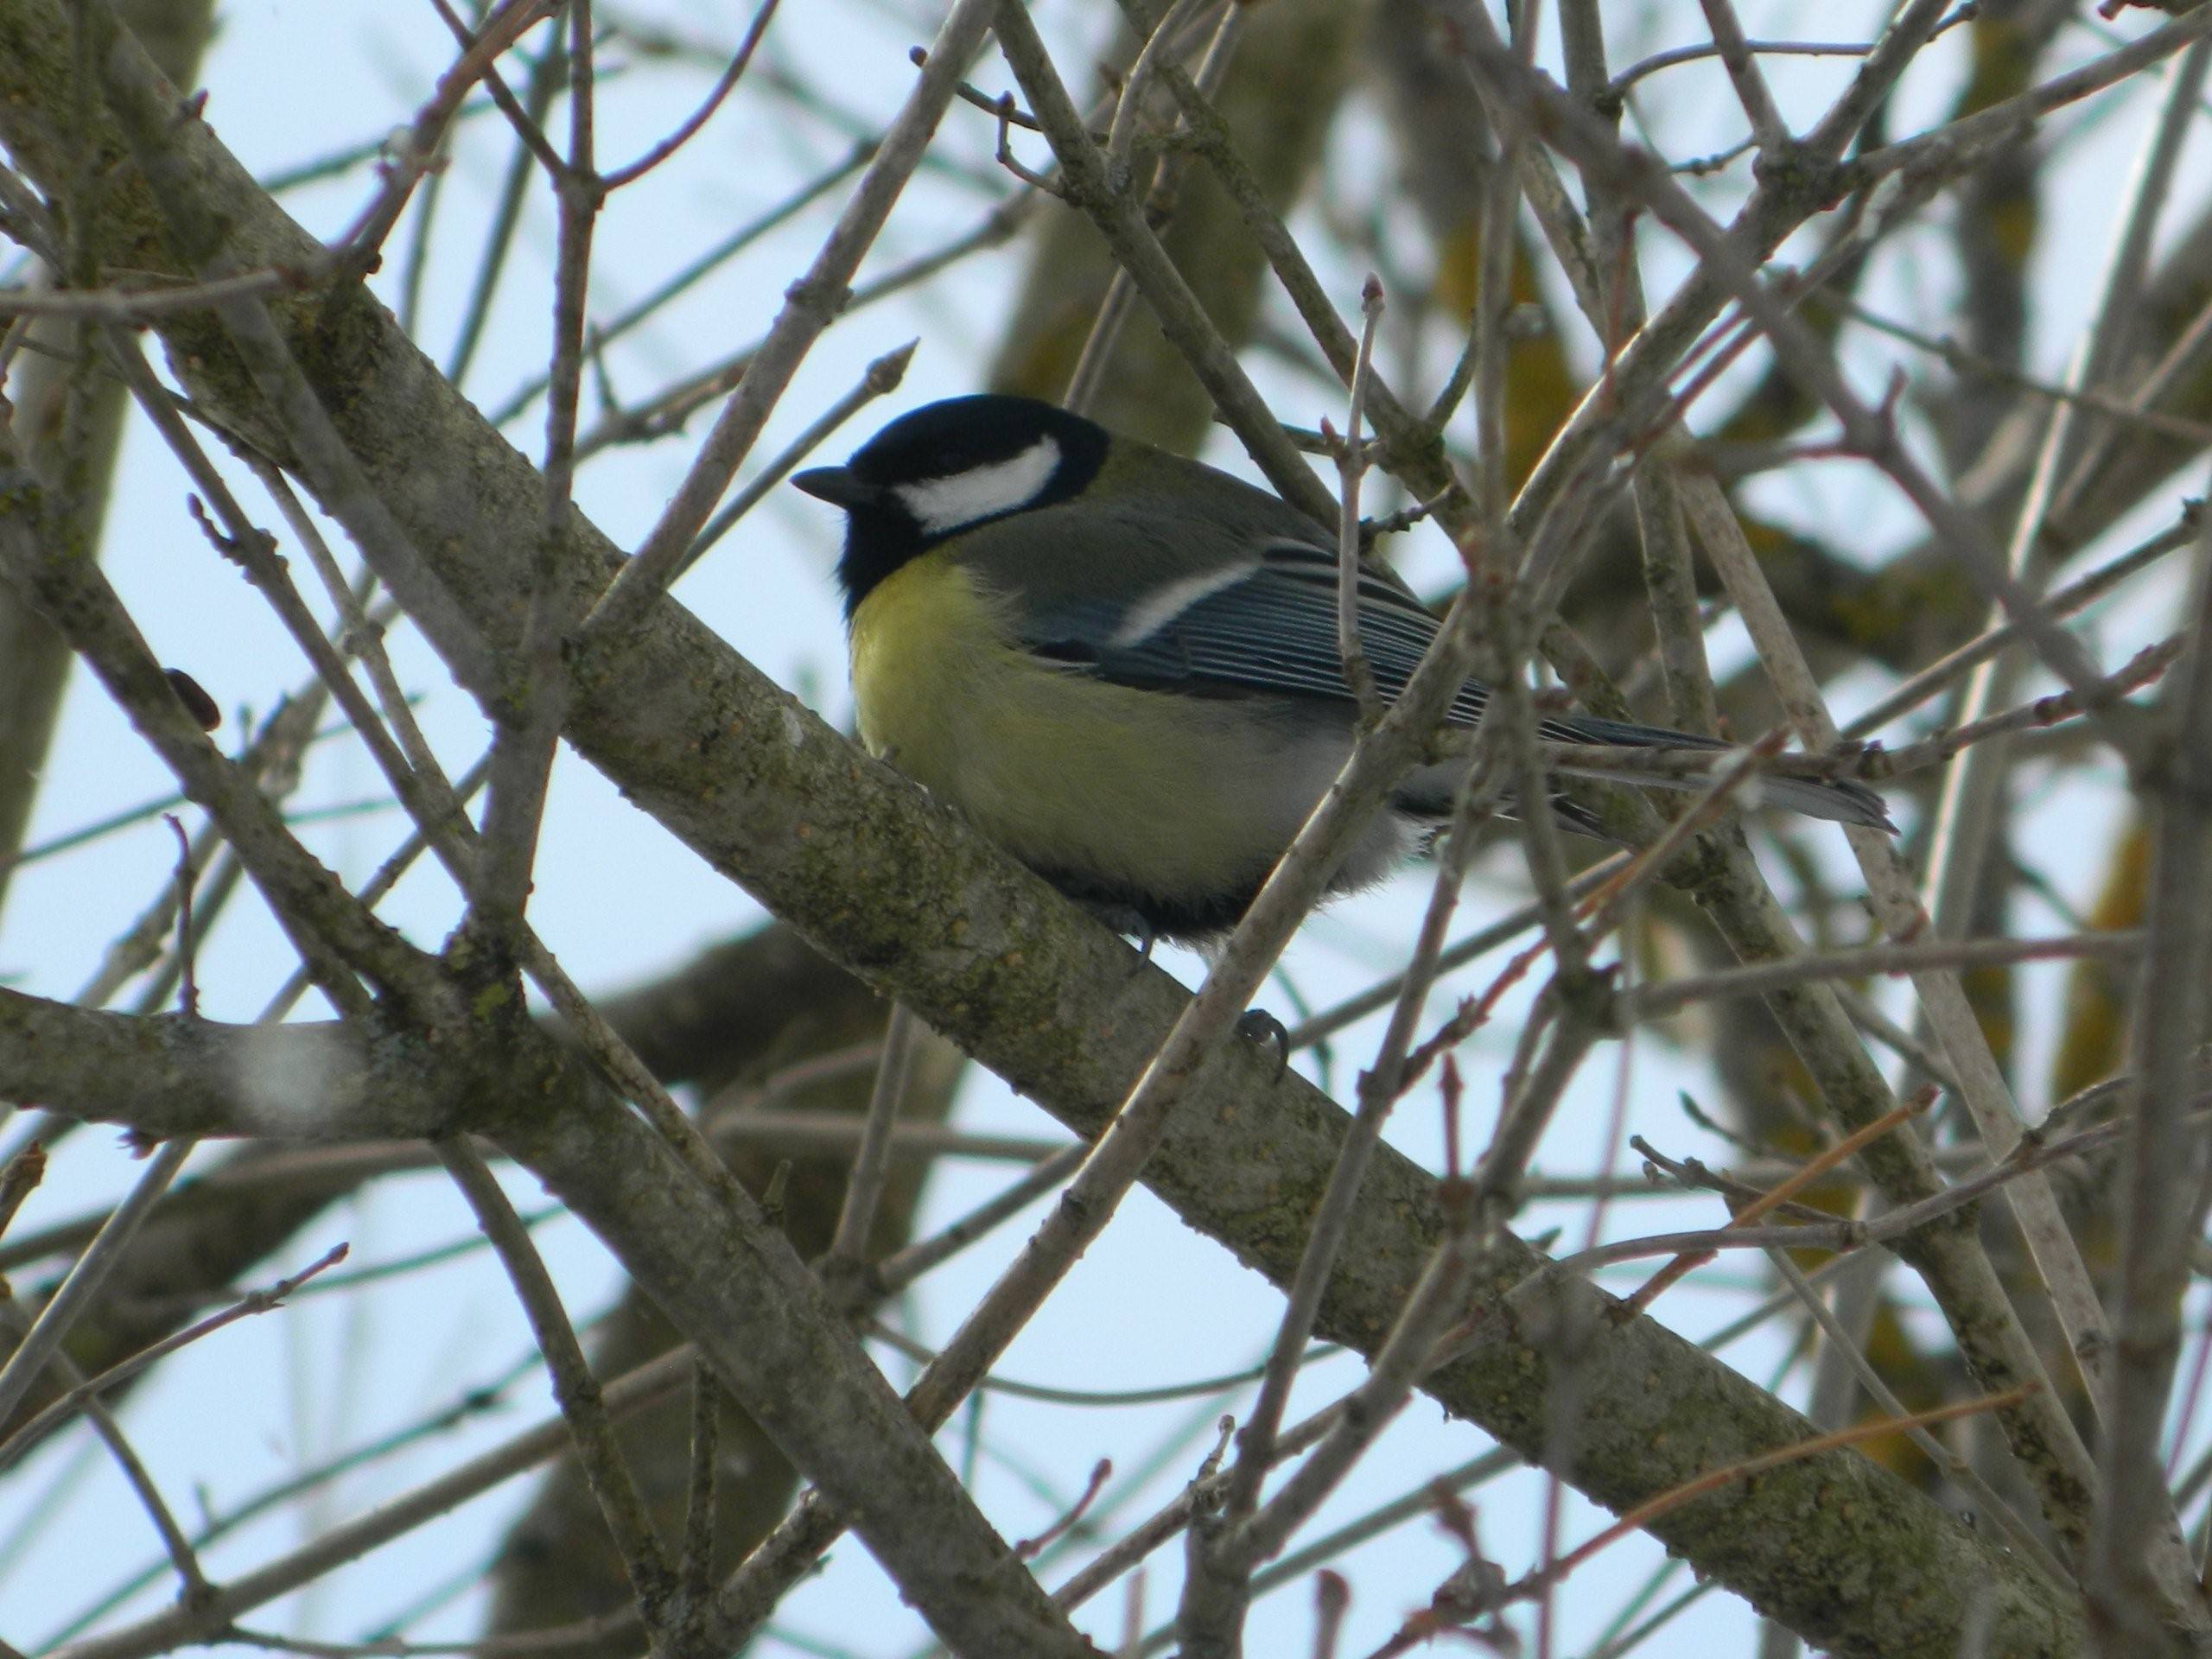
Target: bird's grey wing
<point>1085,577</point>
<point>1196,606</point>
<point>1186,602</point>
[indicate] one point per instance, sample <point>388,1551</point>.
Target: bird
<point>1123,666</point>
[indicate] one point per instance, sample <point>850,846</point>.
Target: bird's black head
<point>948,467</point>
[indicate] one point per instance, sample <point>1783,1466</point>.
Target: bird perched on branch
<point>1123,666</point>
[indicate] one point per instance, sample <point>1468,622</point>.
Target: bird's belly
<point>1184,798</point>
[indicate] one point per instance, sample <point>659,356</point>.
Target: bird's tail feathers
<point>1839,800</point>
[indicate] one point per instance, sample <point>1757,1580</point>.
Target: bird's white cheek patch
<point>945,504</point>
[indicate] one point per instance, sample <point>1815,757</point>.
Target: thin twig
<point>1889,956</point>
<point>724,86</point>
<point>1813,1170</point>
<point>811,305</point>
<point>606,1469</point>
<point>1644,1514</point>
<point>2163,1184</point>
<point>894,1272</point>
<point>879,379</point>
<point>871,1171</point>
<point>1679,55</point>
<point>43,1342</point>
<point>195,1586</point>
<point>1351,467</point>
<point>50,1416</point>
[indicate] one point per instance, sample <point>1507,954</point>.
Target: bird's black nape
<point>935,444</point>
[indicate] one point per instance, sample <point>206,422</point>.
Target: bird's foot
<point>1132,923</point>
<point>1258,1026</point>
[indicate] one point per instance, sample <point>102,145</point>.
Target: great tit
<point>1122,666</point>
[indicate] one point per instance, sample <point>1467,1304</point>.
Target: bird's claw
<point>1132,923</point>
<point>1258,1026</point>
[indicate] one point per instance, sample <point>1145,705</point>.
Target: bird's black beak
<point>838,486</point>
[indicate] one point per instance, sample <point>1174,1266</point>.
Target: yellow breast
<point>1067,772</point>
